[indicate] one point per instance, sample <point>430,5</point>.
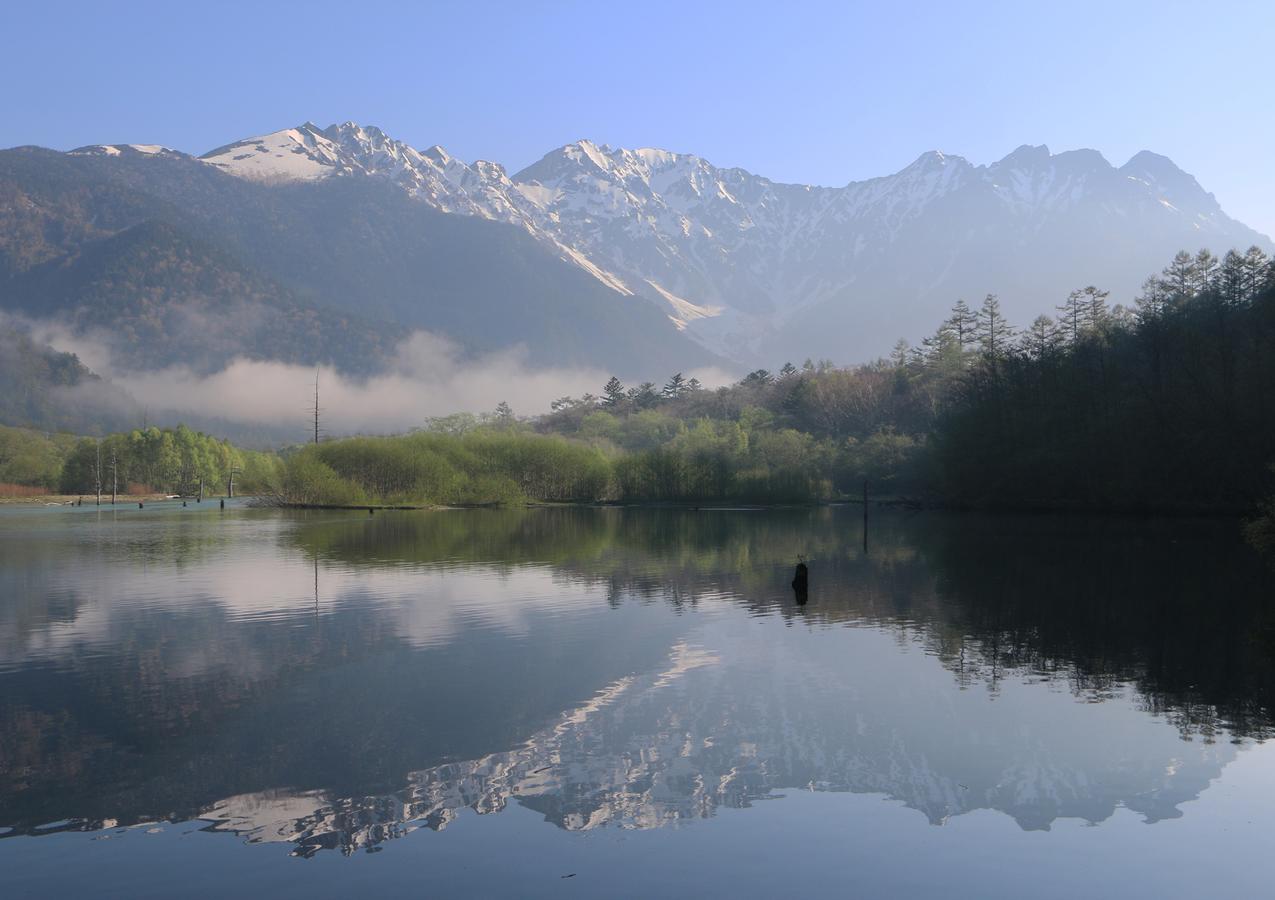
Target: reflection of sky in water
<point>576,692</point>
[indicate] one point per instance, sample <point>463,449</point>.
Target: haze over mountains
<point>331,246</point>
<point>751,268</point>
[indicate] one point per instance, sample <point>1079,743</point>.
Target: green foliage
<point>484,466</point>
<point>173,460</point>
<point>32,458</point>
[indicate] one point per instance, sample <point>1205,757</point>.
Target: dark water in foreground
<point>606,702</point>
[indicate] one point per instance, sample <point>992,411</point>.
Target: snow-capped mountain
<point>756,269</point>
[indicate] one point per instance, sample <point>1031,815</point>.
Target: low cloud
<point>427,376</point>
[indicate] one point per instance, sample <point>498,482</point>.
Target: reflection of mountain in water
<point>1027,666</point>
<point>728,727</point>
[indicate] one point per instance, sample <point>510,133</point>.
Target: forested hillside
<point>167,260</point>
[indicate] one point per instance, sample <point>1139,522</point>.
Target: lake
<point>585,702</point>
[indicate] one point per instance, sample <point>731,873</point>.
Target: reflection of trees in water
<point>190,704</point>
<point>1172,607</point>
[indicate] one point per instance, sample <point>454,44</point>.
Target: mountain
<point>757,270</point>
<point>315,245</point>
<point>167,259</point>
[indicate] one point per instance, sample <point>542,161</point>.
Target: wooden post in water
<point>200,498</point>
<point>865,515</point>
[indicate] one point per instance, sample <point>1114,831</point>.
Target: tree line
<point>1166,402</point>
<point>168,460</point>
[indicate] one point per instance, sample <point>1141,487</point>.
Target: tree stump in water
<point>801,582</point>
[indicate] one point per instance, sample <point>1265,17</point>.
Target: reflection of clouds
<point>748,710</point>
<point>245,578</point>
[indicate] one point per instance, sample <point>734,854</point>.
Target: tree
<point>787,371</point>
<point>1204,270</point>
<point>1257,271</point>
<point>994,331</point>
<point>504,415</point>
<point>643,396</point>
<point>1232,278</point>
<point>1096,305</point>
<point>675,388</point>
<point>1075,315</point>
<point>693,385</point>
<point>758,378</point>
<point>613,393</point>
<point>1153,302</point>
<point>1042,338</point>
<point>1179,276</point>
<point>964,324</point>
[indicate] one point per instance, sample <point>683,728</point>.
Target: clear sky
<point>820,93</point>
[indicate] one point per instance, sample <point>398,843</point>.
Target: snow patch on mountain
<point>733,258</point>
<point>125,149</point>
<point>294,154</point>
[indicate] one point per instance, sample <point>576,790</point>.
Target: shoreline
<point>1234,512</point>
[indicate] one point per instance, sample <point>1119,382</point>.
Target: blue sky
<point>821,93</point>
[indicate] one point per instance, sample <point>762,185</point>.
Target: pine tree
<point>613,393</point>
<point>1042,338</point>
<point>1205,270</point>
<point>1179,276</point>
<point>964,324</point>
<point>1232,278</point>
<point>788,370</point>
<point>1153,301</point>
<point>1096,306</point>
<point>994,331</point>
<point>675,388</point>
<point>1075,315</point>
<point>1257,271</point>
<point>693,385</point>
<point>504,414</point>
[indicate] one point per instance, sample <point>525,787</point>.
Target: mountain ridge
<point>738,260</point>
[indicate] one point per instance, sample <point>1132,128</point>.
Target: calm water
<point>606,702</point>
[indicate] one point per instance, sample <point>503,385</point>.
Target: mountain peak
<point>302,153</point>
<point>1172,185</point>
<point>1025,157</point>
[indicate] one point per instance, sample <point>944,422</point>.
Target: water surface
<point>630,702</point>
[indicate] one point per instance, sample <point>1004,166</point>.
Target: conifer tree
<point>994,331</point>
<point>1042,338</point>
<point>1205,270</point>
<point>613,393</point>
<point>1096,307</point>
<point>1179,276</point>
<point>1075,315</point>
<point>964,324</point>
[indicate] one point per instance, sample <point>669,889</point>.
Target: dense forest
<point>1167,403</point>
